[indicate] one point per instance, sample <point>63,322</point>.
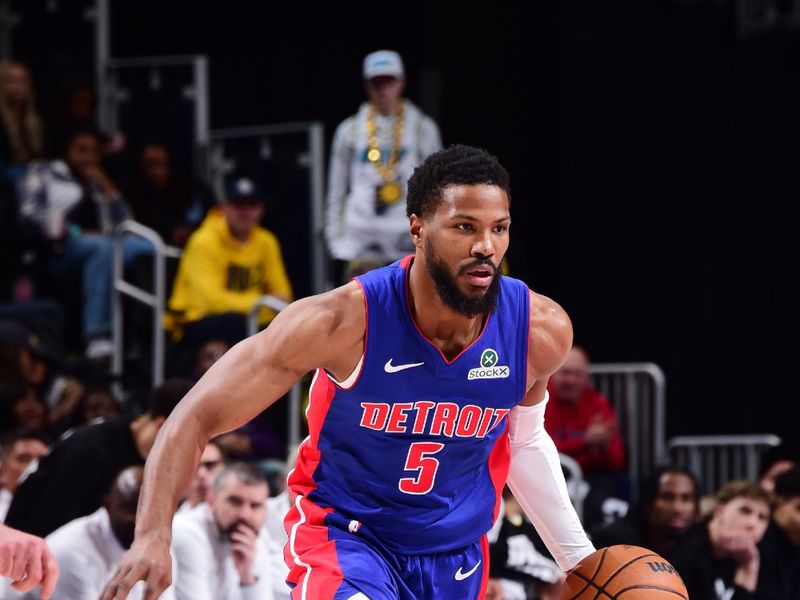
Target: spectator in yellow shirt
<point>228,263</point>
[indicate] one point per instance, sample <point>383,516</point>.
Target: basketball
<point>624,573</point>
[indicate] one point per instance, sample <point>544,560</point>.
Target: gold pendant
<point>374,155</point>
<point>390,192</point>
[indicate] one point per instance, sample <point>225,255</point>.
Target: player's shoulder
<point>338,310</point>
<point>550,334</point>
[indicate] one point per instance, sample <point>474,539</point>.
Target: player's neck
<point>446,328</point>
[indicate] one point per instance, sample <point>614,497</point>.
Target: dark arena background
<point>653,149</point>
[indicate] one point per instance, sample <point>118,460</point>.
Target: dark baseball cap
<point>14,334</point>
<point>241,188</point>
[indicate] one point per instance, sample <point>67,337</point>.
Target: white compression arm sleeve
<point>538,484</point>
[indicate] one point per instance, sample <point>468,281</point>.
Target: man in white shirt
<point>373,154</point>
<point>277,507</point>
<point>89,548</point>
<point>218,552</point>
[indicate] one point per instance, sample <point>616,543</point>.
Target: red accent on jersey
<point>374,415</point>
<point>318,572</point>
<point>499,463</point>
<point>468,421</point>
<point>423,408</point>
<point>398,417</point>
<point>301,478</point>
<point>444,419</point>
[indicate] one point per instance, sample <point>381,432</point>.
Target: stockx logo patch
<point>489,369</point>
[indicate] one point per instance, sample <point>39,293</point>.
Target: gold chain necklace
<point>374,154</point>
<point>390,191</point>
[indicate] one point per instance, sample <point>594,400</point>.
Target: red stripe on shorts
<point>485,580</point>
<point>313,563</point>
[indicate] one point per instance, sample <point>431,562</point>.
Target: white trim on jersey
<point>351,379</point>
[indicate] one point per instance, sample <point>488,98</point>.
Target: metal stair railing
<point>718,459</point>
<point>155,300</point>
<point>637,391</point>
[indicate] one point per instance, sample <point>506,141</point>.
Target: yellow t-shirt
<point>218,274</point>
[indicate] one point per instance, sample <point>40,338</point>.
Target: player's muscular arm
<point>321,331</point>
<point>549,345</point>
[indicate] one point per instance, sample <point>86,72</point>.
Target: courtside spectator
<point>720,557</point>
<point>165,199</point>
<point>372,156</point>
<point>212,461</point>
<point>583,425</point>
<point>209,353</point>
<point>219,549</point>
<point>17,451</point>
<point>775,461</point>
<point>667,509</point>
<point>21,131</point>
<point>72,206</point>
<point>779,577</point>
<point>73,478</point>
<point>76,109</point>
<point>88,548</point>
<point>21,406</point>
<point>228,264</point>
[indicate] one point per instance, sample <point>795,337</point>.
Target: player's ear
<point>416,227</point>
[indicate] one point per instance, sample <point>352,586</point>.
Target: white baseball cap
<point>383,62</point>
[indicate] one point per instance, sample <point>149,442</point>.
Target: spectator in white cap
<point>374,153</point>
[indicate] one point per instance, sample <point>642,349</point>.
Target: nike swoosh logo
<point>461,576</point>
<point>390,368</point>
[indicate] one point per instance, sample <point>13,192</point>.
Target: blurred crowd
<point>74,438</point>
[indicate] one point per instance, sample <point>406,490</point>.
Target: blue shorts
<point>330,558</point>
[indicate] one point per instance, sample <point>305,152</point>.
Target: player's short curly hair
<point>454,165</point>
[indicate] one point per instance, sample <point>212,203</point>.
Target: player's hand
<point>243,549</point>
<point>27,561</point>
<point>148,560</point>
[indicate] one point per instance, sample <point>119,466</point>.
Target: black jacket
<point>706,577</point>
<point>74,476</point>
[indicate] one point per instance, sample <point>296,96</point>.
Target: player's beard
<point>447,288</point>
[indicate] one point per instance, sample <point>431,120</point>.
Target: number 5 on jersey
<point>420,460</point>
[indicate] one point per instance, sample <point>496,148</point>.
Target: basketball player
<point>429,393</point>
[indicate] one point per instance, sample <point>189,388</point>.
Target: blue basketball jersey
<point>412,450</point>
